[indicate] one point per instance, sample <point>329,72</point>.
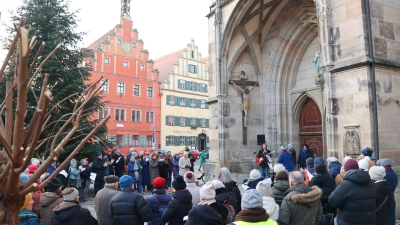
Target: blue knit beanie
<point>125,181</point>
<point>367,151</point>
<point>318,159</point>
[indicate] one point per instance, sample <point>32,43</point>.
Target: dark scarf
<point>252,215</point>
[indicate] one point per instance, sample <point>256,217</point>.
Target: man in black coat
<point>265,154</point>
<point>128,207</point>
<point>293,154</point>
<point>118,163</point>
<point>98,168</point>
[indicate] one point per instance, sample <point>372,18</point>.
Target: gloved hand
<point>83,169</point>
<point>80,167</point>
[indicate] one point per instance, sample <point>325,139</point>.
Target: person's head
<point>387,163</point>
<point>189,177</point>
<point>225,176</point>
<point>111,181</point>
<point>28,202</point>
<point>264,189</point>
<point>141,153</point>
<point>146,155</point>
<point>377,173</point>
<point>363,164</point>
<point>264,146</point>
<point>185,154</point>
<point>32,168</point>
<point>154,155</point>
<point>131,150</point>
<point>70,195</point>
<point>159,183</point>
<point>207,191</point>
<point>99,155</point>
<point>282,175</point>
<point>54,186</point>
<point>289,146</point>
<point>108,151</point>
<point>179,184</point>
<point>218,184</point>
<point>351,164</point>
<point>23,177</point>
<point>331,160</point>
<point>320,168</point>
<point>73,163</point>
<point>35,161</point>
<point>251,199</point>
<point>105,156</point>
<point>133,158</point>
<point>283,148</point>
<point>169,153</point>
<point>255,174</point>
<point>305,147</point>
<point>367,152</point>
<point>126,181</point>
<point>118,151</point>
<point>310,162</point>
<point>318,159</point>
<point>295,177</point>
<point>84,162</point>
<point>176,156</point>
<point>187,148</point>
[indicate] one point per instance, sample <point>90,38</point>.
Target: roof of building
<point>165,64</point>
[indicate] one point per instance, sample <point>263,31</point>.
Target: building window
<point>133,45</point>
<point>149,117</point>
<point>182,140</point>
<point>107,61</point>
<point>171,120</point>
<point>126,64</point>
<point>193,103</point>
<point>193,122</point>
<point>119,41</point>
<point>192,54</point>
<point>150,92</point>
<point>111,138</point>
<point>182,84</point>
<point>136,116</point>
<point>171,100</point>
<point>121,88</point>
<point>203,104</point>
<point>104,112</point>
<point>182,101</point>
<point>203,122</point>
<point>119,114</point>
<point>126,140</point>
<point>149,140</point>
<point>135,140</point>
<point>192,68</point>
<point>182,121</point>
<point>203,88</point>
<point>136,90</point>
<point>104,85</point>
<point>141,67</point>
<point>193,86</point>
<point>119,140</point>
<point>193,141</point>
<point>170,140</point>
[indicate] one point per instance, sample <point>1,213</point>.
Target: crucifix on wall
<point>245,99</point>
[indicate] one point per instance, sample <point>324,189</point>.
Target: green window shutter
<point>166,141</point>
<point>177,120</point>
<point>207,123</point>
<point>176,100</point>
<point>179,83</point>
<point>198,103</point>
<point>198,122</point>
<point>142,140</point>
<point>187,140</point>
<point>206,89</point>
<point>187,122</point>
<point>206,106</point>
<point>176,140</point>
<point>187,102</point>
<point>166,120</point>
<point>195,69</point>
<point>168,96</point>
<point>187,85</point>
<point>208,139</point>
<point>197,87</point>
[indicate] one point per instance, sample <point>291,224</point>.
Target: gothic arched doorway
<point>311,127</point>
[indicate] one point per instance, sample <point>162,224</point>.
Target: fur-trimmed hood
<point>304,194</point>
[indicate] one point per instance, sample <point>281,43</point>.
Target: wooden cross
<point>245,100</point>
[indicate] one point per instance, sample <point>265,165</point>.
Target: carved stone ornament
<point>351,143</point>
<point>322,8</point>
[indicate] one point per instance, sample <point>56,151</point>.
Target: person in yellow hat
<point>26,216</point>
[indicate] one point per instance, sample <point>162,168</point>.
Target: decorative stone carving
<point>351,142</point>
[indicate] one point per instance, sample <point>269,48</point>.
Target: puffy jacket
<point>327,184</point>
<point>334,169</point>
<point>279,189</point>
<point>203,215</point>
<point>27,217</point>
<point>234,190</point>
<point>48,201</point>
<point>222,195</point>
<point>194,191</point>
<point>128,207</point>
<point>178,208</point>
<point>303,156</point>
<point>301,205</point>
<point>271,207</point>
<point>257,216</point>
<point>392,179</point>
<point>98,168</point>
<point>383,216</point>
<point>221,210</point>
<point>286,159</point>
<point>175,163</point>
<point>145,171</point>
<point>356,199</point>
<point>71,213</point>
<point>154,205</point>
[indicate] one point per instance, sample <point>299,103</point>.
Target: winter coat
<point>154,172</point>
<point>194,191</point>
<point>326,183</point>
<point>279,188</point>
<point>286,159</point>
<point>203,215</point>
<point>293,154</point>
<point>383,190</point>
<point>392,179</point>
<point>101,205</point>
<point>178,208</point>
<point>255,216</point>
<point>202,158</point>
<point>128,207</point>
<point>234,191</point>
<point>183,162</point>
<point>51,169</point>
<point>356,199</point>
<point>271,207</point>
<point>27,217</point>
<point>75,174</point>
<point>301,205</point>
<point>119,164</point>
<point>163,200</point>
<point>223,195</point>
<point>221,210</point>
<point>175,163</point>
<point>265,162</point>
<point>303,156</point>
<point>339,178</point>
<point>48,201</point>
<point>98,168</point>
<point>131,171</point>
<point>85,175</point>
<point>71,213</point>
<point>334,169</point>
<point>253,184</point>
<point>145,171</point>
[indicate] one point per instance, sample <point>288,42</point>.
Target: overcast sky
<point>165,26</point>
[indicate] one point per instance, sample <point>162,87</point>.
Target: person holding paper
<point>184,164</point>
<point>85,178</point>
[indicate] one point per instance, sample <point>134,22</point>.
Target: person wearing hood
<point>225,176</point>
<point>102,199</point>
<point>285,158</point>
<point>184,164</point>
<point>304,154</point>
<point>255,177</point>
<point>363,164</point>
<point>301,205</point>
<point>269,204</point>
<point>392,179</point>
<point>145,172</point>
<point>292,152</point>
<point>223,197</point>
<point>281,184</point>
<point>135,171</point>
<point>308,172</point>
<point>180,204</point>
<point>339,178</point>
<point>190,180</point>
<point>333,166</point>
<point>128,207</point>
<point>26,216</point>
<point>49,200</point>
<point>384,198</point>
<point>158,201</point>
<point>355,197</point>
<point>207,197</point>
<point>203,215</point>
<point>98,167</point>
<point>367,152</point>
<point>175,163</point>
<point>74,175</point>
<point>70,212</point>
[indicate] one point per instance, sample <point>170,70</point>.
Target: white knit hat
<point>377,173</point>
<point>264,189</point>
<point>218,184</point>
<point>364,163</point>
<point>255,174</point>
<point>207,191</point>
<point>189,177</point>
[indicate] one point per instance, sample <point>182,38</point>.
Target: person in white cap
<point>384,199</point>
<point>364,163</point>
<point>255,177</point>
<point>269,204</point>
<point>207,197</point>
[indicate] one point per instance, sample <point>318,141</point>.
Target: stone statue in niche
<point>318,60</point>
<point>351,144</point>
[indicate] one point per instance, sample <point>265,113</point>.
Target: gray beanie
<point>71,196</point>
<point>384,162</point>
<point>251,199</point>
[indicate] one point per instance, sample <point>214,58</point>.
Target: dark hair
<point>282,175</point>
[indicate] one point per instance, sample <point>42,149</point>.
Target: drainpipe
<point>373,82</point>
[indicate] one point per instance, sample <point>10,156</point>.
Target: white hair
<point>345,159</point>
<point>278,167</point>
<point>218,184</point>
<point>331,159</point>
<point>289,145</point>
<point>225,176</point>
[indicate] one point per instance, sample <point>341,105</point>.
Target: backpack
<point>163,207</point>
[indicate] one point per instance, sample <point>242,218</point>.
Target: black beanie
<point>179,184</point>
<point>320,167</point>
<point>53,185</point>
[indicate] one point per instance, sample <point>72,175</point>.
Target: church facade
<point>321,72</point>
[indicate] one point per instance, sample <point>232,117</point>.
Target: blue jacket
<point>145,172</point>
<point>392,179</point>
<point>51,170</point>
<point>253,184</point>
<point>164,199</point>
<point>73,171</point>
<point>175,163</point>
<point>27,217</point>
<point>334,169</point>
<point>303,156</point>
<point>131,171</point>
<point>286,159</point>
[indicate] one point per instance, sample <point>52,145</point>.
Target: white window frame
<point>170,140</point>
<point>192,68</point>
<point>171,100</point>
<point>126,64</point>
<point>135,142</point>
<point>119,41</point>
<point>119,114</point>
<point>106,60</point>
<point>102,114</point>
<point>149,142</point>
<point>152,92</point>
<point>171,120</point>
<point>203,88</point>
<point>193,103</point>
<point>119,140</point>
<point>193,141</point>
<point>134,90</point>
<point>203,104</point>
<point>182,121</point>
<point>133,44</point>
<point>203,123</point>
<point>137,114</point>
<point>182,140</point>
<point>149,116</point>
<point>182,101</point>
<point>104,86</point>
<point>118,88</point>
<point>193,86</point>
<point>182,85</point>
<point>142,67</point>
<point>192,121</point>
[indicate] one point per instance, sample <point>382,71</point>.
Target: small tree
<point>20,138</point>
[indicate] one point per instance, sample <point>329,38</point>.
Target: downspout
<point>373,81</point>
